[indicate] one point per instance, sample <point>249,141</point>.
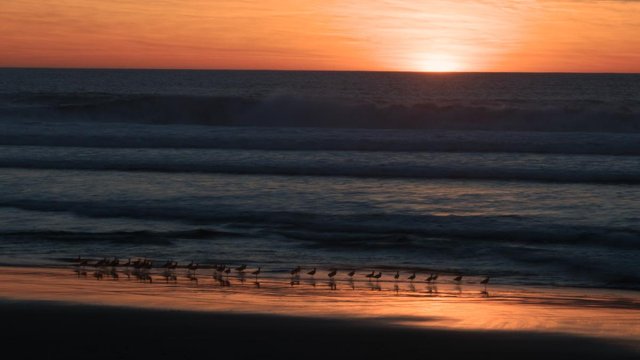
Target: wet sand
<point>62,315</point>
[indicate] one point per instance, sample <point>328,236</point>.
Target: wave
<point>556,170</point>
<point>138,136</point>
<point>360,230</point>
<point>156,237</point>
<point>291,111</point>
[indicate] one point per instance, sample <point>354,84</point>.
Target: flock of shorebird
<point>140,268</point>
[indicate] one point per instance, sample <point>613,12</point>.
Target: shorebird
<point>332,273</point>
<point>458,278</point>
<point>227,271</point>
<point>192,266</point>
<point>351,273</point>
<point>397,275</point>
<point>115,262</point>
<point>80,261</point>
<point>412,276</point>
<point>295,270</point>
<point>256,273</point>
<point>137,263</point>
<point>312,272</point>
<point>101,262</point>
<point>370,275</point>
<point>241,268</point>
<point>430,278</point>
<point>378,275</point>
<point>485,281</point>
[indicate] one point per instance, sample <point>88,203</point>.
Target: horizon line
<point>313,70</point>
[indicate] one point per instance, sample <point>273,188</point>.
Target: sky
<point>386,35</point>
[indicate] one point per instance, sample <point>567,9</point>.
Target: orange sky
<point>422,35</point>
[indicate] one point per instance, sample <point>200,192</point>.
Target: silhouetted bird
<point>378,275</point>
<point>397,275</point>
<point>332,273</point>
<point>351,273</point>
<point>412,276</point>
<point>458,278</point>
<point>241,268</point>
<point>192,266</point>
<point>256,273</point>
<point>485,281</point>
<point>370,275</point>
<point>296,270</point>
<point>312,272</point>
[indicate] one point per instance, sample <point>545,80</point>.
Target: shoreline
<point>606,315</point>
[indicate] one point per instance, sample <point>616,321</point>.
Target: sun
<point>439,62</point>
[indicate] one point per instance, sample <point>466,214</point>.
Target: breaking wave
<point>292,111</point>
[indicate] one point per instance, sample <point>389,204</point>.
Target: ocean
<point>531,179</point>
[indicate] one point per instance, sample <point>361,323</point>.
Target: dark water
<point>530,178</point>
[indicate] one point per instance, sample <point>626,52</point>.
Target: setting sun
<point>439,63</point>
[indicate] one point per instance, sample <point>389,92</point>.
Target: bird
<point>192,266</point>
<point>351,273</point>
<point>412,276</point>
<point>485,281</point>
<point>227,271</point>
<point>435,277</point>
<point>100,263</point>
<point>332,273</point>
<point>312,272</point>
<point>83,262</point>
<point>128,263</point>
<point>241,268</point>
<point>430,278</point>
<point>256,272</point>
<point>458,278</point>
<point>295,270</point>
<point>397,275</point>
<point>370,275</point>
<point>167,264</point>
<point>378,275</point>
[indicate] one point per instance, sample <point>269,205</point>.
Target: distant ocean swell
<point>590,171</point>
<point>365,230</point>
<point>133,136</point>
<point>451,114</point>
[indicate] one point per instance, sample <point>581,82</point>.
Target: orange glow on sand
<point>405,35</point>
<point>610,314</point>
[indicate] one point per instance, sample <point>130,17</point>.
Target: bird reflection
<point>332,284</point>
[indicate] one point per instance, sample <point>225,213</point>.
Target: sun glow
<point>439,63</point>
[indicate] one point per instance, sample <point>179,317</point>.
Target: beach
<point>385,215</point>
<point>71,316</point>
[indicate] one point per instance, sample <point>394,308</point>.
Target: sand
<point>51,313</point>
<point>52,330</point>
